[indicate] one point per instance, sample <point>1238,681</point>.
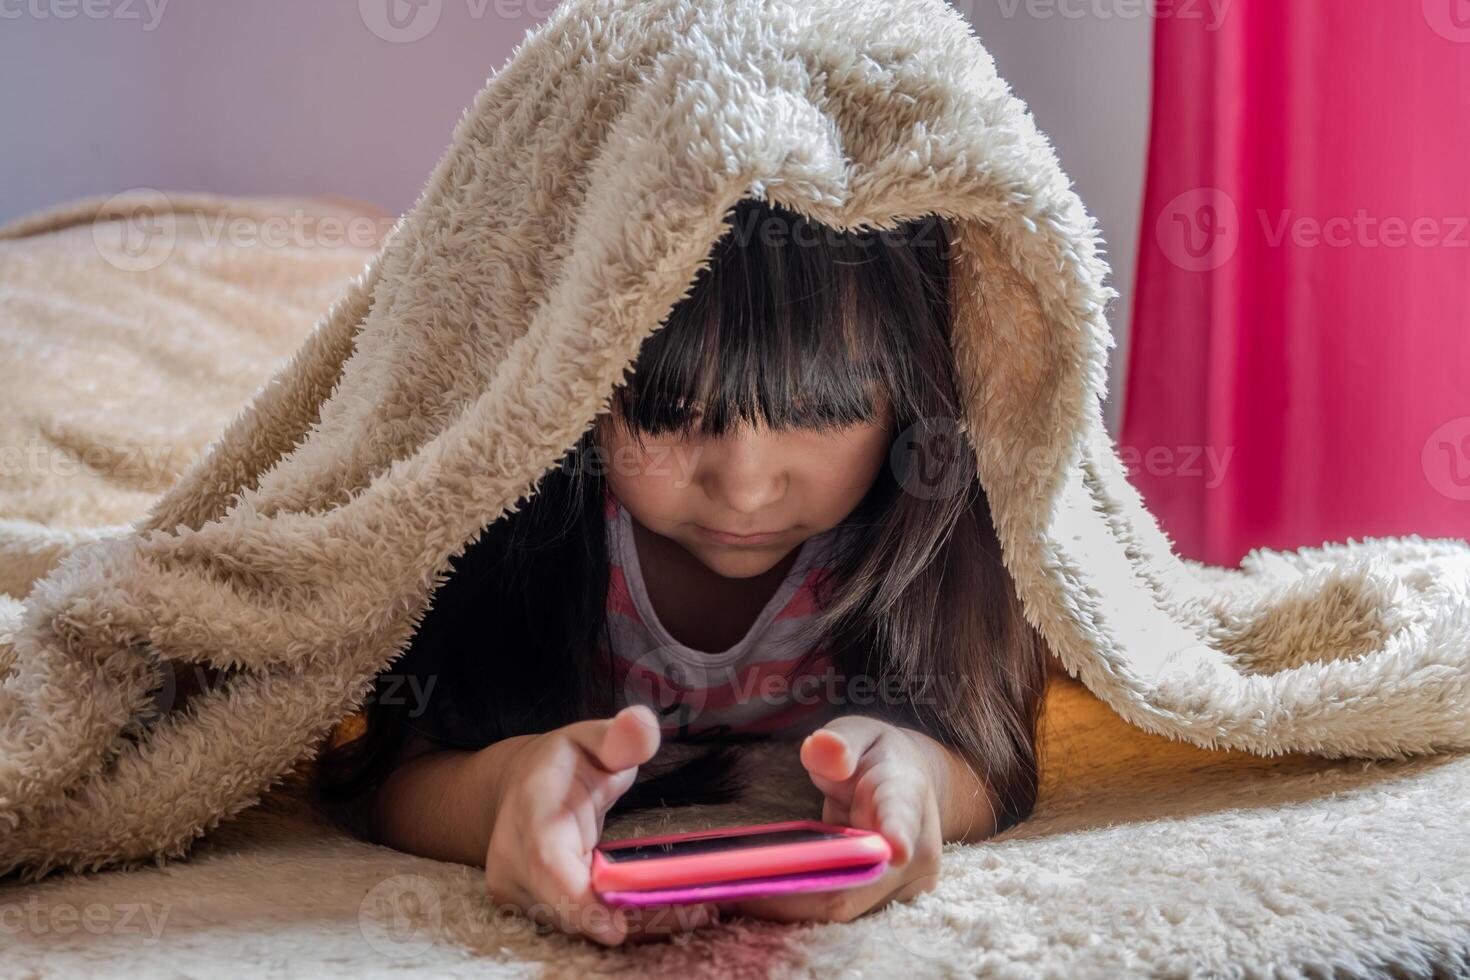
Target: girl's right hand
<point>554,793</point>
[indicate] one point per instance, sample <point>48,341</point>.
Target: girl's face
<point>793,484</point>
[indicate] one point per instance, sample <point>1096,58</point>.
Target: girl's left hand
<point>874,777</point>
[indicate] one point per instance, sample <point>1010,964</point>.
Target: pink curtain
<point>1300,351</point>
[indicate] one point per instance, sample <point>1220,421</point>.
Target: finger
<point>850,903</point>
<point>629,738</point>
<point>897,883</point>
<point>833,752</point>
<point>834,812</point>
<point>559,894</point>
<point>898,815</point>
<point>890,797</point>
<point>632,738</point>
<point>837,757</point>
<point>551,909</point>
<point>567,886</point>
<point>832,905</point>
<point>920,869</point>
<point>801,907</point>
<point>839,789</point>
<point>564,887</point>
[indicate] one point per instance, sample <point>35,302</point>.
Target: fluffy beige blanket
<point>297,549</point>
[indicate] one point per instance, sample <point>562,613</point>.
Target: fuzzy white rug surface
<point>317,487</point>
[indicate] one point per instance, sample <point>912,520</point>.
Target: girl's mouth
<point>725,537</point>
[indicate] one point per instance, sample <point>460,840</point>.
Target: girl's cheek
<point>655,477</point>
<point>854,457</point>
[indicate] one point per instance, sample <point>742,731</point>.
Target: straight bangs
<point>793,325</point>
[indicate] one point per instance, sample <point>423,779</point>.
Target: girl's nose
<point>744,474</point>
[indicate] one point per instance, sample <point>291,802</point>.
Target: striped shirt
<point>748,688</point>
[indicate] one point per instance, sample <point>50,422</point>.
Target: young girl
<point>757,541</point>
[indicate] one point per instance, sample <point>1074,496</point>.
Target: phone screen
<point>724,842</point>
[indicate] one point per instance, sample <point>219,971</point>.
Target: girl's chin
<point>736,562</point>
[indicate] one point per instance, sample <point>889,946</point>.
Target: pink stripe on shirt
<point>752,686</point>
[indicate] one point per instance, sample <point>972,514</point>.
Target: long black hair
<point>792,324</point>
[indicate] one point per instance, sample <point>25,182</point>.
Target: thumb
<point>627,739</point>
<point>834,811</point>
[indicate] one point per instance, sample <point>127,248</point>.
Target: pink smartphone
<point>736,862</point>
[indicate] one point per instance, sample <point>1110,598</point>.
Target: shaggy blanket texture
<point>581,193</point>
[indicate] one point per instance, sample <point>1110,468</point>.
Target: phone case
<point>853,849</point>
<point>719,891</point>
